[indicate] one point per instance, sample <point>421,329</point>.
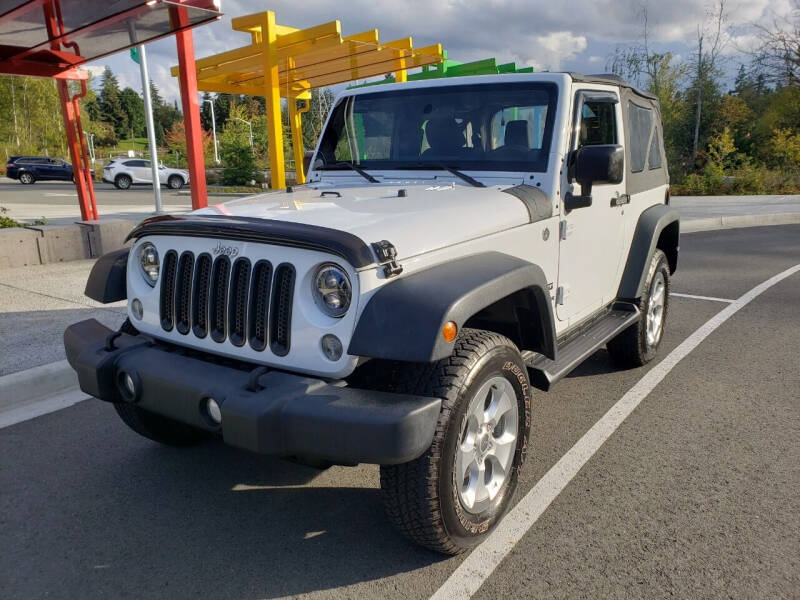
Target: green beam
<point>451,68</point>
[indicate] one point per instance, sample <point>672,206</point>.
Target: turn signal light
<point>449,331</point>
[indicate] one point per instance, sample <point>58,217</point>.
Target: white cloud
<point>577,34</point>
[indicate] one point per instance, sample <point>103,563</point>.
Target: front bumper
<point>275,413</point>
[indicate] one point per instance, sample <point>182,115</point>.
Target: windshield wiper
<point>426,165</point>
<point>470,180</point>
<point>355,168</point>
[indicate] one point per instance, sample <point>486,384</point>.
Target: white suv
<point>460,243</point>
<point>124,172</point>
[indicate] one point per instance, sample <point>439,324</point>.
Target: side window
<point>654,158</point>
<point>598,124</point>
<point>640,120</point>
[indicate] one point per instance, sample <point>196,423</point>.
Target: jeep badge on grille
<point>223,250</point>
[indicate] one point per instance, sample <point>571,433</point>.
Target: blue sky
<point>575,35</point>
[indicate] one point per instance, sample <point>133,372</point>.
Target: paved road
<point>58,200</point>
<point>62,193</point>
<point>694,496</point>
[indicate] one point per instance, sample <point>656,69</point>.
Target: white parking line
<point>479,565</point>
<point>693,297</point>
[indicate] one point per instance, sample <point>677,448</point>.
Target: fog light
<point>137,309</point>
<point>331,347</point>
<point>127,385</point>
<point>213,411</point>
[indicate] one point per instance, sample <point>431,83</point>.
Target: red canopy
<point>49,38</point>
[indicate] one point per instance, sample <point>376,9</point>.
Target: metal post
<point>151,129</point>
<point>213,130</point>
<point>187,77</point>
<point>250,125</point>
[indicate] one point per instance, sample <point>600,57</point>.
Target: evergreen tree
<point>133,106</point>
<point>110,104</point>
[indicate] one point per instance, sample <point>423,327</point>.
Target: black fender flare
<point>651,224</point>
<point>107,280</point>
<point>403,319</point>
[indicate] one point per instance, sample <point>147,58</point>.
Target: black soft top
<point>611,79</point>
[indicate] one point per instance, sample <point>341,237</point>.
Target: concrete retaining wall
<point>43,244</point>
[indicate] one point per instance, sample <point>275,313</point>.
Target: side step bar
<point>545,372</point>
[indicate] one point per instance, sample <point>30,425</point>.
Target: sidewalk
<point>36,305</point>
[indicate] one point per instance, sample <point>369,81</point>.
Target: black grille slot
<point>237,307</point>
<point>219,297</point>
<point>202,279</point>
<point>281,309</point>
<point>259,305</point>
<point>183,293</point>
<point>167,303</point>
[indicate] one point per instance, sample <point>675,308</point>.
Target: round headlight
<point>148,261</point>
<point>331,289</point>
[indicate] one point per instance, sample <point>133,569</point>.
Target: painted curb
<point>43,385</point>
<point>736,221</point>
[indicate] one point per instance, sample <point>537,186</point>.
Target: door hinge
<point>565,228</point>
<point>562,293</point>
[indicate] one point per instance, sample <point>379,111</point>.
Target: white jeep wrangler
<point>460,242</point>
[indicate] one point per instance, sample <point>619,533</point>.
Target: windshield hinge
<point>387,254</point>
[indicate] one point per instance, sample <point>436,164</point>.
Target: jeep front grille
<point>227,300</point>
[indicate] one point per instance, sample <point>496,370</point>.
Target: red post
<point>79,167</point>
<point>187,78</point>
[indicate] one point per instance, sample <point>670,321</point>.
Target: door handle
<point>619,200</point>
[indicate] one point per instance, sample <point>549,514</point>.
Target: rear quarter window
<point>640,120</point>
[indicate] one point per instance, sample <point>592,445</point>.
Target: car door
<point>139,173</point>
<point>41,168</point>
<point>591,238</point>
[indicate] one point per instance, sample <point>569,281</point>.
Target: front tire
<point>450,498</point>
<point>175,182</point>
<point>638,345</point>
<point>26,178</point>
<point>123,182</point>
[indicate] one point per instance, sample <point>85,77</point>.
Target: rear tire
<point>638,345</point>
<point>27,178</point>
<point>157,428</point>
<point>122,182</point>
<point>450,498</point>
<point>175,182</point>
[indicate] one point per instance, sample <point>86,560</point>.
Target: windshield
<point>486,127</point>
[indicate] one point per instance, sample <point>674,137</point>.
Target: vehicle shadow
<point>150,521</point>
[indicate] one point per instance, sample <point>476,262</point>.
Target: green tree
<point>238,160</point>
<point>133,105</point>
<point>110,103</point>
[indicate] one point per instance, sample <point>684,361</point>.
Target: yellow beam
<point>296,122</point>
<point>272,96</point>
<point>313,53</point>
<point>354,61</point>
<point>378,63</point>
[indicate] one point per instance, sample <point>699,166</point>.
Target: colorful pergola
<point>52,38</point>
<point>452,68</point>
<point>285,62</point>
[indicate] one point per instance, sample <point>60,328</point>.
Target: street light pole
<point>213,130</point>
<point>151,130</point>
<point>249,124</point>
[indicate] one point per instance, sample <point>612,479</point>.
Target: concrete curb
<point>37,391</point>
<point>734,222</point>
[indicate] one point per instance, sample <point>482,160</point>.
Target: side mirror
<point>307,161</point>
<point>590,165</point>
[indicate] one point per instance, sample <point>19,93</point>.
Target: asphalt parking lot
<point>695,495</point>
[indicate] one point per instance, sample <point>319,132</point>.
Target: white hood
<point>426,219</point>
